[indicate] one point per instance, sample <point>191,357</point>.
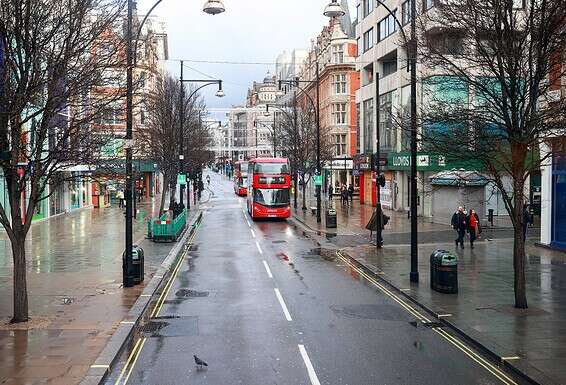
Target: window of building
<point>339,113</point>
<point>339,84</point>
<point>367,75</point>
<point>368,39</point>
<point>142,79</point>
<point>357,128</point>
<point>340,144</point>
<point>338,53</point>
<point>359,12</point>
<point>389,67</point>
<point>406,12</point>
<point>368,125</point>
<point>387,26</point>
<point>428,4</point>
<point>368,7</point>
<point>358,46</point>
<point>387,133</point>
<point>111,115</point>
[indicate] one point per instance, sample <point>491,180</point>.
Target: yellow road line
<point>495,371</point>
<point>134,361</point>
<point>128,362</point>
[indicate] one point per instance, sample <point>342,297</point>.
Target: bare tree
<point>54,53</point>
<point>297,140</point>
<point>161,139</point>
<point>492,104</point>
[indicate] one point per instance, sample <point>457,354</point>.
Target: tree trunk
<point>172,192</point>
<point>163,193</point>
<point>304,193</point>
<point>296,181</point>
<point>20,290</point>
<point>519,255</point>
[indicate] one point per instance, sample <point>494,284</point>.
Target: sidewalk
<point>75,293</point>
<point>483,309</point>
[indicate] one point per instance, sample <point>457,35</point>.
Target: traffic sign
<point>318,180</point>
<point>182,179</point>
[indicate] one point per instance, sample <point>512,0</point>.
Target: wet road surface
<point>260,304</point>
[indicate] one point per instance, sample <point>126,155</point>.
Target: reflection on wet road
<point>261,304</point>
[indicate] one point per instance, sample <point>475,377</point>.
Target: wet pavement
<point>75,291</point>
<point>261,304</point>
<point>483,308</point>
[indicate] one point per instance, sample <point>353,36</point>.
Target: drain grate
<point>189,293</point>
<point>279,241</point>
<point>152,327</point>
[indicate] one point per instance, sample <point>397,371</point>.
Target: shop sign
<point>340,164</point>
<point>318,180</point>
<point>362,162</point>
<point>425,162</point>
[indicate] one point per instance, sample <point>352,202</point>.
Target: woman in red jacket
<point>474,227</point>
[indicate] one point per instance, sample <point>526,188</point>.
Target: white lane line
<point>258,247</point>
<point>253,234</point>
<point>308,364</point>
<point>267,269</point>
<point>282,303</point>
<point>248,222</point>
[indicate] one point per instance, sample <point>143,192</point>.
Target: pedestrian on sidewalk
<point>527,219</point>
<point>120,196</point>
<point>459,223</point>
<point>344,194</point>
<point>351,193</point>
<point>330,188</point>
<point>474,228</point>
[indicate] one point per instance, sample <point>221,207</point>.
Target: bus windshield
<point>272,197</point>
<point>271,168</point>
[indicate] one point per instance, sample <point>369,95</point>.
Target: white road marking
<point>253,234</point>
<point>267,269</point>
<point>248,222</point>
<point>282,303</point>
<point>258,247</point>
<point>308,364</point>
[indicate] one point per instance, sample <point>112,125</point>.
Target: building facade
<point>333,52</point>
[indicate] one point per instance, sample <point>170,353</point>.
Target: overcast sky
<point>249,31</point>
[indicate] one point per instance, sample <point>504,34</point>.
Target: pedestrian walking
<point>344,195</point>
<point>459,223</point>
<point>474,227</point>
<point>120,196</point>
<point>330,191</point>
<point>351,193</point>
<point>527,219</point>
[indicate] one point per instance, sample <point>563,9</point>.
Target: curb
<point>520,368</point>
<point>125,330</point>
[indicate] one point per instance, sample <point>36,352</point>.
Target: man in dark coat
<point>460,224</point>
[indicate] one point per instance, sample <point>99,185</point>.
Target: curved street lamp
<point>334,10</point>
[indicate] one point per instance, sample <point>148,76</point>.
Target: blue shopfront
<point>558,237</point>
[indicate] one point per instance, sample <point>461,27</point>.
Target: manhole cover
<point>188,293</point>
<point>279,241</point>
<point>152,327</point>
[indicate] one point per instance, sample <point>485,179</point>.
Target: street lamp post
<point>210,7</point>
<point>219,93</point>
<point>412,58</point>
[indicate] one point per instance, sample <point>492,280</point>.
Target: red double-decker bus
<point>269,184</point>
<point>240,178</point>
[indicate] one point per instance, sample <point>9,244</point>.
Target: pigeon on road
<point>200,363</point>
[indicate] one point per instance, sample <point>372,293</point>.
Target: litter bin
<point>133,270</point>
<point>137,264</point>
<point>444,272</point>
<point>331,218</point>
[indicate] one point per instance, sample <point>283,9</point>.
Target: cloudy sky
<point>249,31</point>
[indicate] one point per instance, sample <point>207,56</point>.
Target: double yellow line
<point>135,353</point>
<point>494,370</point>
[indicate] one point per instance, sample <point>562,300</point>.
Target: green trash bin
<point>444,272</point>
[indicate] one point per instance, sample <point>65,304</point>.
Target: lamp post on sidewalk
<point>219,93</point>
<point>210,7</point>
<point>412,59</point>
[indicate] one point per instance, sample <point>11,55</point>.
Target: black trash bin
<point>331,218</point>
<point>137,264</point>
<point>444,272</point>
<point>133,270</point>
